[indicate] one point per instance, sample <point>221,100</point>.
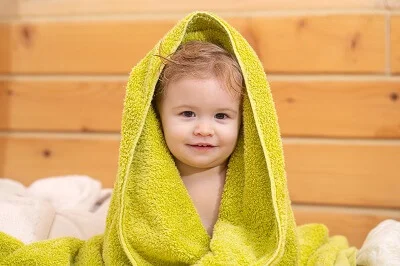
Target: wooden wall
<point>333,67</point>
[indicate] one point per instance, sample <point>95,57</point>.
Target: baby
<point>210,189</point>
<point>198,99</point>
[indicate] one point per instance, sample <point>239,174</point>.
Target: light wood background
<point>333,67</point>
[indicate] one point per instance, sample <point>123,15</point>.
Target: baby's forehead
<point>190,87</point>
<point>204,100</point>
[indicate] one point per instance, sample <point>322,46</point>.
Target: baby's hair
<point>197,59</point>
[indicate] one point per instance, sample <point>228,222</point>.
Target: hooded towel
<point>152,219</point>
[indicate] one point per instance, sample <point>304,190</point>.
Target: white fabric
<point>10,186</point>
<point>53,207</point>
<point>27,219</point>
<point>68,192</point>
<point>382,245</point>
<point>79,224</point>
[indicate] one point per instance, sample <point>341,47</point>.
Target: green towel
<point>152,220</point>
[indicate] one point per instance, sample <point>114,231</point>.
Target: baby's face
<point>200,121</point>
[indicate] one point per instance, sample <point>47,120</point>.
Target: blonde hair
<point>199,59</point>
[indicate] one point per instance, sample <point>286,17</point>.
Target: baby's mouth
<point>202,146</point>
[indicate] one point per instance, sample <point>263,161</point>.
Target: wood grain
<point>28,159</point>
<point>321,44</point>
<point>100,47</point>
<point>343,173</point>
<point>61,105</point>
<point>17,8</point>
<point>295,44</point>
<point>395,44</point>
<point>355,109</point>
<point>5,48</point>
<point>306,108</point>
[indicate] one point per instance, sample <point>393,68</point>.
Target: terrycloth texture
<point>316,248</point>
<point>152,220</point>
<point>382,245</point>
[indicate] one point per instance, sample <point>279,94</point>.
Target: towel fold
<point>152,219</point>
<point>76,192</point>
<point>79,224</point>
<point>382,245</point>
<point>53,207</point>
<point>9,186</point>
<point>28,219</point>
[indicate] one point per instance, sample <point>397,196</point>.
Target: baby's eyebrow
<point>227,110</point>
<point>184,106</point>
<point>218,110</point>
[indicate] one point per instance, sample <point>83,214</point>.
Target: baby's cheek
<point>233,130</point>
<point>181,128</point>
<point>176,130</point>
<point>175,134</point>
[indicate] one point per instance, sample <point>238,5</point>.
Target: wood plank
<point>368,109</point>
<point>5,47</point>
<point>346,44</point>
<point>77,7</point>
<point>28,159</point>
<point>8,9</point>
<point>359,109</point>
<point>395,44</point>
<point>344,173</point>
<point>106,47</point>
<point>355,224</point>
<point>321,44</point>
<point>61,105</point>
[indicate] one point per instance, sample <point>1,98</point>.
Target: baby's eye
<point>221,116</point>
<point>188,114</point>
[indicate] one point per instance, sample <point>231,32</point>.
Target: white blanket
<point>27,219</point>
<point>53,207</point>
<point>382,245</point>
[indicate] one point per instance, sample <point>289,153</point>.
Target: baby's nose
<point>203,129</point>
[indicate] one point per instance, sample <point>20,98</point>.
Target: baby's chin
<point>201,164</point>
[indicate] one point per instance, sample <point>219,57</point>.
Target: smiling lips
<point>202,146</point>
